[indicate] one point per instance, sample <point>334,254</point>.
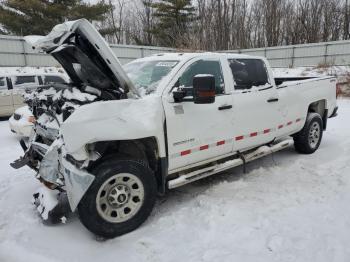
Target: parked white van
<point>14,85</point>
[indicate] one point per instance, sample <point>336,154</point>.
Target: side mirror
<point>204,89</point>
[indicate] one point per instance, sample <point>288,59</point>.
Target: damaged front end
<point>64,184</point>
<point>96,75</point>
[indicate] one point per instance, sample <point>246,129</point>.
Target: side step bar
<point>208,171</point>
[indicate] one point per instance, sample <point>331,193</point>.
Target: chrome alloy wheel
<point>314,134</point>
<point>120,197</point>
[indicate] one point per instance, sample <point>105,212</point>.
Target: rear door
<point>198,132</point>
<point>21,84</point>
<point>6,108</point>
<point>256,104</point>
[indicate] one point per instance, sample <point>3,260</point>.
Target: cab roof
<point>186,56</point>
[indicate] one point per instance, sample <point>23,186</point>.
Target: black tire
<point>302,142</point>
<point>88,210</point>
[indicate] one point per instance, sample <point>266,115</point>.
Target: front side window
<point>3,83</point>
<point>248,73</point>
<point>146,75</point>
<point>207,67</point>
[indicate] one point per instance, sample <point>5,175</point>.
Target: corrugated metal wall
<point>14,51</point>
<point>334,53</point>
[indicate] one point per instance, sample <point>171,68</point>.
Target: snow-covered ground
<point>288,207</point>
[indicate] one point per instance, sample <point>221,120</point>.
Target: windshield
<point>146,75</point>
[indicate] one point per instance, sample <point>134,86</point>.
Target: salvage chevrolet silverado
<point>115,137</point>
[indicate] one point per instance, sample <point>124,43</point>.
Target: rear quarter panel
<point>296,97</point>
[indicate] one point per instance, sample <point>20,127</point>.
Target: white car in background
<point>13,85</point>
<point>22,121</point>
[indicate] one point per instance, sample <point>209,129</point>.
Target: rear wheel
<point>120,199</point>
<point>309,138</point>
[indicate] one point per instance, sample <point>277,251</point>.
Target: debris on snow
<point>63,220</point>
<point>47,200</point>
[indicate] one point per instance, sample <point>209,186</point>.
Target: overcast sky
<point>90,1</point>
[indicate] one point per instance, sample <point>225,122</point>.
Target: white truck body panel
<point>127,119</point>
<point>197,134</point>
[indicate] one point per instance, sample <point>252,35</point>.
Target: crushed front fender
<point>77,182</point>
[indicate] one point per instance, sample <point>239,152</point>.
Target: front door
<point>199,132</point>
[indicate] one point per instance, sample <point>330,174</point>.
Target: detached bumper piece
<point>21,162</point>
<point>31,155</point>
<point>52,206</point>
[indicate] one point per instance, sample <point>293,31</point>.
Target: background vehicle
<point>13,86</point>
<point>22,121</point>
<point>129,134</point>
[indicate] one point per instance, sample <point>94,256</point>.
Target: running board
<point>244,158</point>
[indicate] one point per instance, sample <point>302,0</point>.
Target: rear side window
<point>248,73</point>
<point>53,79</point>
<point>3,85</point>
<point>204,67</point>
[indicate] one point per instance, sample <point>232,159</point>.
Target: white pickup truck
<point>118,136</point>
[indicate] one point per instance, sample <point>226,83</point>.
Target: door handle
<point>272,100</point>
<point>225,107</point>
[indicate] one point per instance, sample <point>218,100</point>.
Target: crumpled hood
<point>114,120</point>
<point>85,55</point>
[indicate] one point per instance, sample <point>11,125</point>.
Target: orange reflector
<point>31,119</point>
<point>206,93</point>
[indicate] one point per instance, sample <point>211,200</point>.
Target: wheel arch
<point>320,107</point>
<point>144,149</point>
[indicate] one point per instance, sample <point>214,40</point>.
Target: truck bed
<point>280,80</point>
<point>308,91</point>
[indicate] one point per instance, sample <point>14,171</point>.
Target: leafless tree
<point>237,24</point>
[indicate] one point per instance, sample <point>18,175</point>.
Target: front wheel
<point>120,199</point>
<point>309,138</point>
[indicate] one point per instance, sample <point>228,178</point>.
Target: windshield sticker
<point>166,64</point>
